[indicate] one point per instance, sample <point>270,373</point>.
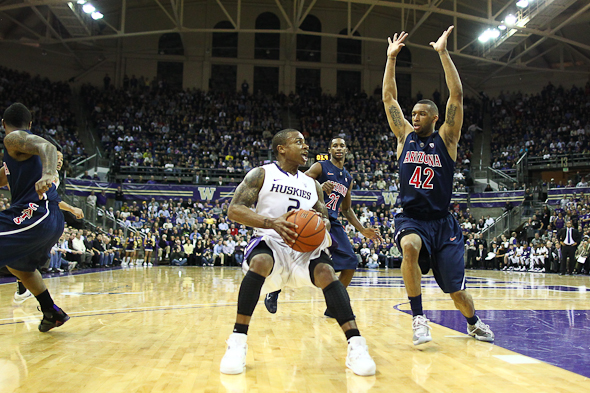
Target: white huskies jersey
<point>282,192</point>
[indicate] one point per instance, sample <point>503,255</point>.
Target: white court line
<point>517,359</point>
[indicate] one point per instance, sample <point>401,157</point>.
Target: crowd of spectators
<point>152,127</point>
<point>552,122</point>
<point>537,244</point>
<point>50,105</point>
<point>196,136</point>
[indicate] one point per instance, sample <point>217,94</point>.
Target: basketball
<point>311,230</point>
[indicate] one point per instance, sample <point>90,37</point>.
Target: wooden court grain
<point>163,329</point>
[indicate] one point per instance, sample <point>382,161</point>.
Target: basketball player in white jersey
<point>277,190</point>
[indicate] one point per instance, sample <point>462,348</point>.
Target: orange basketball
<point>311,230</point>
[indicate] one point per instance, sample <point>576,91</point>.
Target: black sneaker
<point>57,318</point>
<point>270,301</point>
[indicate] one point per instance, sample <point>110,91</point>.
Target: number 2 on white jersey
<point>415,180</point>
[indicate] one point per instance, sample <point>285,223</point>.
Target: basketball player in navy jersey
<point>336,183</point>
<point>23,293</point>
<point>426,231</point>
<point>34,222</point>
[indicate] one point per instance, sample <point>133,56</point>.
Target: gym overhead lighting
<point>81,2</point>
<point>510,20</point>
<point>96,15</point>
<point>88,8</point>
<point>502,27</point>
<point>489,34</point>
<point>522,3</point>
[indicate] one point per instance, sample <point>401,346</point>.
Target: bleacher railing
<point>504,224</point>
<point>98,218</point>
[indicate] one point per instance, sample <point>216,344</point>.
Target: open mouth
<point>416,127</point>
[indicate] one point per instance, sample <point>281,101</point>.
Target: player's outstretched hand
<point>43,185</point>
<point>396,43</point>
<point>285,228</point>
<point>441,44</point>
<point>78,213</point>
<point>373,234</point>
<point>327,187</point>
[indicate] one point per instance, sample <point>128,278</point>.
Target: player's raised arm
<point>320,206</point>
<point>350,215</point>
<point>21,143</point>
<point>450,131</point>
<point>246,196</point>
<point>398,124</point>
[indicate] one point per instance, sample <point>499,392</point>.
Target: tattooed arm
<point>450,131</point>
<point>21,146</point>
<point>320,206</point>
<point>398,124</point>
<point>246,196</point>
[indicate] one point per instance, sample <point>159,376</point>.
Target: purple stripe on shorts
<point>253,243</point>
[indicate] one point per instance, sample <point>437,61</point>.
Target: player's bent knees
<point>411,245</point>
<point>261,264</point>
<point>323,275</point>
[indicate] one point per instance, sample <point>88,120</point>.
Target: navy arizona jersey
<point>22,176</point>
<point>342,180</point>
<point>425,177</point>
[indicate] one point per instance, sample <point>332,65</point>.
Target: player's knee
<point>261,264</point>
<point>323,275</point>
<point>411,245</point>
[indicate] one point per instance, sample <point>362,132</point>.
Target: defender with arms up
<point>426,232</point>
<point>277,190</point>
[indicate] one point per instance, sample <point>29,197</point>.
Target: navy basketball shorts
<point>27,233</point>
<point>343,255</point>
<point>442,239</point>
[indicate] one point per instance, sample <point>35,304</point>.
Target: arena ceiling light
<point>510,20</point>
<point>88,8</point>
<point>522,3</point>
<point>96,15</point>
<point>489,34</point>
<point>81,2</point>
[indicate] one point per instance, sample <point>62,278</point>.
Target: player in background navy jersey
<point>34,222</point>
<point>336,183</point>
<point>426,231</point>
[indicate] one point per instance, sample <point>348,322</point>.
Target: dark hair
<point>280,138</point>
<point>337,137</point>
<point>431,104</point>
<point>17,115</point>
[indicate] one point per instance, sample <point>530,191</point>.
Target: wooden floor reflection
<point>163,329</point>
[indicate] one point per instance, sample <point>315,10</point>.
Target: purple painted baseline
<point>557,337</point>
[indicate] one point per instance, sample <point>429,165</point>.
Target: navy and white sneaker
<point>480,331</point>
<point>270,301</point>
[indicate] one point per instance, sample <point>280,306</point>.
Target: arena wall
<point>139,55</point>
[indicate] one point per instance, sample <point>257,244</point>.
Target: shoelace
<point>420,322</point>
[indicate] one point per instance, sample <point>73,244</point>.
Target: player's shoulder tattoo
<point>247,192</point>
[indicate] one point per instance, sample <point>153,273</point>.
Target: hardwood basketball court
<point>163,329</point>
